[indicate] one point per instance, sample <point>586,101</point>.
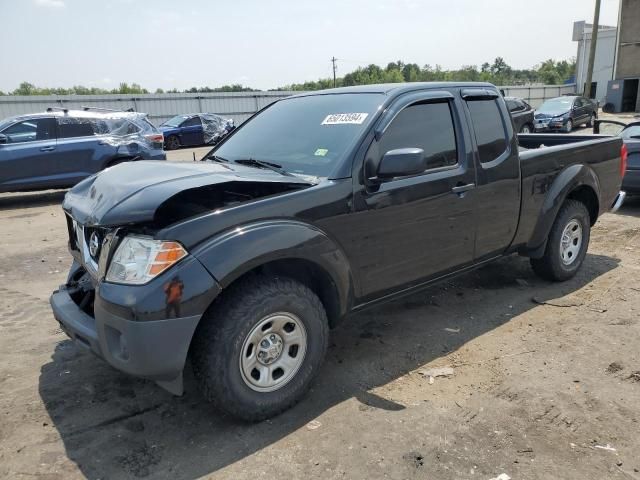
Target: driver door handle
<point>47,149</point>
<point>463,188</point>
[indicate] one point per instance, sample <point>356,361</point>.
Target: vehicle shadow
<point>11,201</point>
<point>114,426</point>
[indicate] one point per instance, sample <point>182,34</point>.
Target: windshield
<point>304,135</point>
<point>175,121</point>
<point>559,105</point>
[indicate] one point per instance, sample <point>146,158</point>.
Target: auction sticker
<point>345,119</point>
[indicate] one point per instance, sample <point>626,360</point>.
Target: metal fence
<point>535,95</point>
<point>160,107</point>
<point>238,106</point>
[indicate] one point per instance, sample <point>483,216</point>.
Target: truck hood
<point>132,192</point>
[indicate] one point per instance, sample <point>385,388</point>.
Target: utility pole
<point>335,67</point>
<point>592,50</point>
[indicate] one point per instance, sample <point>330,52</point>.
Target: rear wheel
<point>567,243</point>
<point>591,121</point>
<point>171,142</point>
<point>256,353</point>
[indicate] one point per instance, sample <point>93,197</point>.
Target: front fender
<point>230,255</point>
<point>567,181</point>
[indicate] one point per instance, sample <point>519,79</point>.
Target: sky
<point>267,44</point>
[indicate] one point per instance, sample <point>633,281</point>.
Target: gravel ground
<point>545,383</point>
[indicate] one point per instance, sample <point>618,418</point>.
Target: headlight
<point>139,259</point>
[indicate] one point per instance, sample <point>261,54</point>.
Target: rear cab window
<point>489,127</point>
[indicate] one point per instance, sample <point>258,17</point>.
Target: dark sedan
<point>195,129</point>
<point>630,134</point>
<point>521,113</point>
<point>564,113</point>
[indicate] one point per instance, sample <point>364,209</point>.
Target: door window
<point>428,126</point>
<point>69,127</point>
<point>34,129</point>
<point>489,128</point>
<point>192,122</point>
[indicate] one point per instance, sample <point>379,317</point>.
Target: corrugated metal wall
<point>238,106</point>
<point>160,107</point>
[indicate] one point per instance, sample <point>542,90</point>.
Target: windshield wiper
<point>252,162</point>
<point>216,158</point>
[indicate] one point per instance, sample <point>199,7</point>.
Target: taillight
<point>624,153</point>
<point>155,137</point>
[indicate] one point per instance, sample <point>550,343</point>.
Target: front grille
<point>73,237</point>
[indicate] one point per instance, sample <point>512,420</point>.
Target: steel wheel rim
<point>571,242</point>
<point>273,352</point>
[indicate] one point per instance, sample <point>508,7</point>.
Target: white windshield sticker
<point>345,118</point>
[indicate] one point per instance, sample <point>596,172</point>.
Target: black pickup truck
<point>320,205</point>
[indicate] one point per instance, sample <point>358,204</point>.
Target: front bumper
<point>549,127</point>
<point>125,329</point>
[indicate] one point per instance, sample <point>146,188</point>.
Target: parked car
<point>521,113</point>
<point>321,205</point>
<point>195,129</point>
<point>58,148</point>
<point>565,113</point>
<point>630,134</point>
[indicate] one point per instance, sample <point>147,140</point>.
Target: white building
<point>604,59</point>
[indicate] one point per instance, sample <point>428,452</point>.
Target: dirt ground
<point>545,384</point>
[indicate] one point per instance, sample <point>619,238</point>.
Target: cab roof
<point>393,89</point>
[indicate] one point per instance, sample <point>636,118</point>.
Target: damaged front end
<point>134,299</point>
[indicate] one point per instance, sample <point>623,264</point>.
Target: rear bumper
<point>631,182</point>
<point>617,203</point>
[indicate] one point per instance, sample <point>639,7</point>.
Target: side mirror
<point>402,163</point>
<point>3,139</point>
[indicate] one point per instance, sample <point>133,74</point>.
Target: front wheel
<point>567,243</point>
<point>568,128</point>
<point>526,128</point>
<point>591,121</point>
<point>256,353</point>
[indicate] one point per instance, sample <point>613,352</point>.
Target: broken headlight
<point>139,259</point>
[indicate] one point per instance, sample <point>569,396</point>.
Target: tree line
<point>549,72</point>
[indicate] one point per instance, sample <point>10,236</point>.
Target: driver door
<point>411,229</point>
<point>192,133</point>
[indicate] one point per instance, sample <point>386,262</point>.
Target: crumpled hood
<point>131,192</point>
<point>550,113</point>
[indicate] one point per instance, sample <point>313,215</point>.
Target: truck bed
<point>544,157</point>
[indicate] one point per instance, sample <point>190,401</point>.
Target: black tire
<point>551,266</point>
<point>569,126</point>
<point>592,118</point>
<point>218,344</point>
<point>526,128</point>
<point>171,143</point>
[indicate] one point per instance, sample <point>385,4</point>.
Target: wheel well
<point>310,274</point>
<point>587,196</point>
